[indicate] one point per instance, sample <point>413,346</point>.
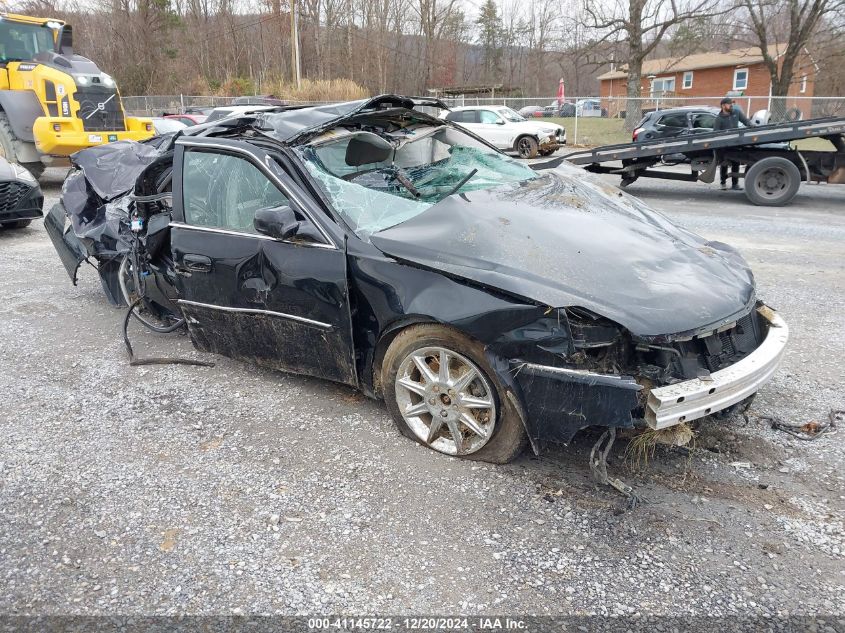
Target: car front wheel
<point>527,147</point>
<point>442,392</point>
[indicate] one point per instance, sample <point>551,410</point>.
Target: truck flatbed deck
<point>773,169</point>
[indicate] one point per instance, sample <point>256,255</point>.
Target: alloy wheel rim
<point>445,400</point>
<point>524,148</point>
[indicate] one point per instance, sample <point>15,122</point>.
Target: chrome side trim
<point>693,399</point>
<point>281,315</point>
<point>211,229</point>
<point>267,172</point>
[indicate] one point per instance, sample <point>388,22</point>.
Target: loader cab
<point>54,102</point>
<point>25,40</point>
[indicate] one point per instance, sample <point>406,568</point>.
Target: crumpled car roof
<point>288,124</point>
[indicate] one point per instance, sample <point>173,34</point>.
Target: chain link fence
<point>589,120</point>
<point>158,105</point>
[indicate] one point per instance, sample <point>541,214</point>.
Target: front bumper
<point>693,399</point>
<point>71,136</point>
<point>20,201</point>
<point>552,142</point>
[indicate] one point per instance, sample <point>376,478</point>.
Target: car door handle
<point>196,263</point>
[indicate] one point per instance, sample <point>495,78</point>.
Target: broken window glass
<point>375,196</point>
<point>224,191</point>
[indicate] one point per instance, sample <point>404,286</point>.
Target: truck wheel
<point>527,147</point>
<point>772,182</point>
<point>9,144</point>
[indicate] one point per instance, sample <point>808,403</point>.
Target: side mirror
<point>499,122</point>
<point>277,222</point>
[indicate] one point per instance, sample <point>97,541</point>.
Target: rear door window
<point>678,120</point>
<point>703,120</point>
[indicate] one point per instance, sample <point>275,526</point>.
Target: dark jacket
<point>730,120</point>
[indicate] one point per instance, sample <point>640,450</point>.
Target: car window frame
<point>231,155</point>
<point>186,144</point>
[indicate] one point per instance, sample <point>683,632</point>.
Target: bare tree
<point>783,29</point>
<point>639,26</point>
<point>433,18</point>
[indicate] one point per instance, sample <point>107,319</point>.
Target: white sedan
<point>508,130</point>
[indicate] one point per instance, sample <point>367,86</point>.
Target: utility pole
<point>296,75</point>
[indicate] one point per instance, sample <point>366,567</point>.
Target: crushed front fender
<point>67,245</point>
<point>559,402</point>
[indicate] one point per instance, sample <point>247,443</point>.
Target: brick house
<point>739,73</point>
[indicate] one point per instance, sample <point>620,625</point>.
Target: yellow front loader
<point>53,102</point>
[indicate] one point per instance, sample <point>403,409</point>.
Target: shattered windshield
<point>376,181</point>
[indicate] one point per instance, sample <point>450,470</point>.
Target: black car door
<point>702,122</point>
<point>671,125</point>
<point>282,303</point>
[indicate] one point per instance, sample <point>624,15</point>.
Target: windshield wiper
<point>464,181</point>
<point>406,182</point>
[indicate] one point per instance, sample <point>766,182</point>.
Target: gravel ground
<point>232,489</point>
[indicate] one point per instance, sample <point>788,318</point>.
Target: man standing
<point>729,119</point>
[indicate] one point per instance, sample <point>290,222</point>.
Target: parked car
<point>227,111</point>
<point>589,108</point>
<point>510,131</point>
<point>199,110</point>
<point>166,125</point>
<point>367,243</point>
<point>675,122</point>
<point>21,200</point>
<point>188,118</point>
<point>532,111</point>
<point>258,100</point>
<point>565,109</point>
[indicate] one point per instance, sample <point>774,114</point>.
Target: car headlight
<point>107,80</point>
<point>82,80</point>
<point>22,173</point>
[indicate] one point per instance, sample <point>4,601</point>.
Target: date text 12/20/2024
<point>417,624</point>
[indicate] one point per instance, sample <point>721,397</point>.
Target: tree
<point>434,19</point>
<point>541,25</point>
<point>490,38</point>
<point>640,26</point>
<point>775,23</point>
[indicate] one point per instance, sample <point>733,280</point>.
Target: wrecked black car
<point>372,244</point>
<point>21,200</point>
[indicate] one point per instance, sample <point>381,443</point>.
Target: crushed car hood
<point>563,241</point>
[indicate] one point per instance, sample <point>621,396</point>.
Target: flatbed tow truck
<point>772,168</point>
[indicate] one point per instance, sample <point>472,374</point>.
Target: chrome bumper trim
<point>693,399</point>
